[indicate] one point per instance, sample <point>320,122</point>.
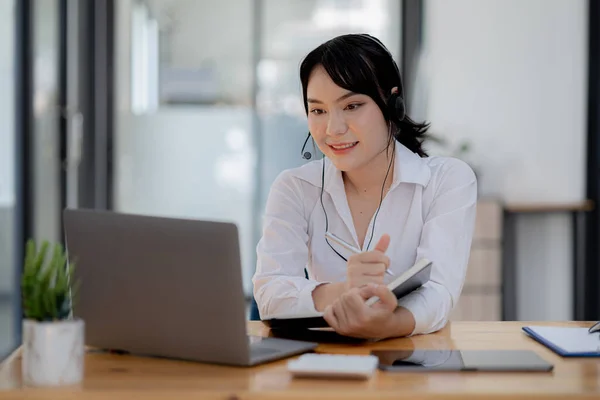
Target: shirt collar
<point>409,167</point>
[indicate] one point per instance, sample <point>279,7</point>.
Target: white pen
<point>349,247</point>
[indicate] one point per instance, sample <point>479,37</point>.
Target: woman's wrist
<point>325,294</point>
<point>401,324</point>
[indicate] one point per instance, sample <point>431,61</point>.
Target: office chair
<point>254,314</point>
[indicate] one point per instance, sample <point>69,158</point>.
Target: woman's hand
<point>350,316</point>
<point>362,269</point>
<point>368,267</point>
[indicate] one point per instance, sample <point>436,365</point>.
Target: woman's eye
<point>316,111</point>
<point>353,106</point>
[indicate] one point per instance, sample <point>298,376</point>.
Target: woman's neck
<point>367,181</point>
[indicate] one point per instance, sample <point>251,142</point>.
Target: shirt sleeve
<point>280,284</point>
<point>446,241</point>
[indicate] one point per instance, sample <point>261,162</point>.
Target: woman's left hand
<point>349,315</point>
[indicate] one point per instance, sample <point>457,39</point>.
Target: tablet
<point>461,360</point>
<point>410,280</point>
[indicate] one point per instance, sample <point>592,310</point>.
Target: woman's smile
<point>342,148</point>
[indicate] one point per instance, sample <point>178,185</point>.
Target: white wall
<point>7,111</point>
<point>510,75</point>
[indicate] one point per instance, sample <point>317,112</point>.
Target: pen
<point>349,247</point>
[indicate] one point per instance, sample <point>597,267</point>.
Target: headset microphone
<point>306,154</point>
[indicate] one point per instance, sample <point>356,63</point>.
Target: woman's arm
<point>326,294</point>
<point>351,316</point>
<point>446,241</point>
<point>280,285</point>
<point>402,323</point>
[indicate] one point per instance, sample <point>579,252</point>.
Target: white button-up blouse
<point>429,212</point>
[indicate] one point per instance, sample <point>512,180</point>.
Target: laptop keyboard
<point>259,347</point>
<point>262,351</point>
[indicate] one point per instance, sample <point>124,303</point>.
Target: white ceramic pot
<point>53,352</point>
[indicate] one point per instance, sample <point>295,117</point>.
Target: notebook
<point>567,341</point>
<point>410,280</point>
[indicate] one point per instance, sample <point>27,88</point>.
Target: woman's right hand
<point>363,268</point>
<point>368,267</point>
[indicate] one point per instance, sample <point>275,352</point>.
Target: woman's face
<point>349,128</point>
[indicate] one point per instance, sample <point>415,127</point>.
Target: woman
<point>376,189</point>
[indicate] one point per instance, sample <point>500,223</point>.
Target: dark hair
<point>361,64</point>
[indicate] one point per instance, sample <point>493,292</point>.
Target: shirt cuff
<point>413,302</point>
<point>306,304</point>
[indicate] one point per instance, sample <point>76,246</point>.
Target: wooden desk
<point>123,376</point>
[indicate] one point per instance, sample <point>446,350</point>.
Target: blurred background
<point>191,108</point>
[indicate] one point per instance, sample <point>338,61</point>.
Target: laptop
<point>165,287</point>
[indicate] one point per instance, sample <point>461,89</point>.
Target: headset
<point>396,105</point>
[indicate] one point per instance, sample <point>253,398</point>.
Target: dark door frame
<point>591,306</point>
<point>96,99</point>
<point>411,40</point>
<point>23,92</point>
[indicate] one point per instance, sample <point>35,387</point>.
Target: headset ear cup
<point>396,106</point>
<point>400,109</point>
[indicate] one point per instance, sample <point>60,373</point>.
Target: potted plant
<point>53,341</point>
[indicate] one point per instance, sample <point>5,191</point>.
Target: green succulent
<point>47,287</point>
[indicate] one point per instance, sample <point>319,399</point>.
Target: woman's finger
<point>356,306</point>
<point>370,257</point>
<point>386,297</point>
<point>340,311</point>
<point>375,269</point>
<point>330,317</point>
<point>383,243</point>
